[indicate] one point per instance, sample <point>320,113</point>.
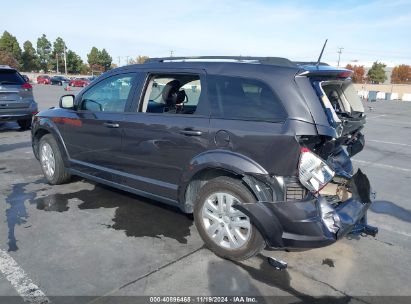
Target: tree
<point>9,44</point>
<point>358,72</point>
<point>85,69</point>
<point>140,59</point>
<point>57,56</point>
<point>44,52</point>
<point>401,74</point>
<point>99,61</point>
<point>74,62</point>
<point>93,60</point>
<point>29,57</point>
<point>377,73</point>
<point>105,60</point>
<point>8,59</point>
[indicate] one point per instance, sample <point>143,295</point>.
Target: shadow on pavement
<point>266,274</point>
<point>386,207</point>
<point>136,216</point>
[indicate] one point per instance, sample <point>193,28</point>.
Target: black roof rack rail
<point>263,60</point>
<point>309,63</point>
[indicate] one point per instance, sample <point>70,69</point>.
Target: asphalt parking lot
<point>84,239</point>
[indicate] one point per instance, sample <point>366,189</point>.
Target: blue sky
<point>367,30</point>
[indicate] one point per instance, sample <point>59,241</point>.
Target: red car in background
<point>79,82</point>
<point>43,79</point>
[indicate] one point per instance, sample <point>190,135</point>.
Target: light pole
<point>57,62</point>
<point>339,55</point>
<point>65,59</point>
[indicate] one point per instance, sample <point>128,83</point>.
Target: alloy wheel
<point>226,226</point>
<point>47,159</point>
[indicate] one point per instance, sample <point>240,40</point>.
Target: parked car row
<point>62,80</point>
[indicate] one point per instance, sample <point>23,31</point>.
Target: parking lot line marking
<point>388,142</point>
<point>381,165</point>
<point>29,291</point>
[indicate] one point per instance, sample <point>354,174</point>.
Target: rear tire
<point>51,161</point>
<point>24,124</point>
<point>247,240</point>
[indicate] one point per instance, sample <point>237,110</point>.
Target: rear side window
<point>10,77</point>
<point>243,98</point>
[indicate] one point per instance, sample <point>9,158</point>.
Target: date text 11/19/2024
<point>203,299</point>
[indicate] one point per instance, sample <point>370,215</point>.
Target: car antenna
<point>321,54</point>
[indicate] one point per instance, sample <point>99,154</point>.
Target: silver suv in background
<point>16,98</point>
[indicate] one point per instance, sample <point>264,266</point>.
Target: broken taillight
<point>313,172</point>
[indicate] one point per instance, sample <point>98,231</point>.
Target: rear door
<point>159,141</point>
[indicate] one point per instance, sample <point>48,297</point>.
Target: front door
<point>93,135</point>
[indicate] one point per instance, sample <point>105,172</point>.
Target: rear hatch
<point>330,91</point>
<point>338,97</point>
<point>14,91</point>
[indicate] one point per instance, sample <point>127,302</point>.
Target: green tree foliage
<point>44,52</point>
<point>85,69</point>
<point>93,60</point>
<point>8,59</point>
<point>401,74</point>
<point>9,44</point>
<point>74,62</point>
<point>57,56</point>
<point>377,73</point>
<point>105,60</point>
<point>99,61</point>
<point>29,57</point>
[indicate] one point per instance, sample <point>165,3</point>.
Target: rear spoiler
<point>324,71</point>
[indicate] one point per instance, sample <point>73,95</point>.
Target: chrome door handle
<point>191,132</point>
<point>111,125</point>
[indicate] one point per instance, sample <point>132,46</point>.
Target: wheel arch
<point>45,127</point>
<point>212,164</point>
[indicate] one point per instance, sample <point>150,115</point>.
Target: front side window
<point>172,94</point>
<point>109,95</point>
<point>243,98</point>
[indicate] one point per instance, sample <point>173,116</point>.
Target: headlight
<point>314,173</point>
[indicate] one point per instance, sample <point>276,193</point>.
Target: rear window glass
<point>10,77</point>
<point>343,96</point>
<point>243,98</point>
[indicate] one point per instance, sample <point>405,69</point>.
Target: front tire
<point>24,124</point>
<point>51,161</point>
<point>226,231</point>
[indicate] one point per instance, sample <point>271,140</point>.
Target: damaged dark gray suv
<point>258,149</point>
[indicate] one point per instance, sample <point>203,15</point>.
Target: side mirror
<point>67,102</point>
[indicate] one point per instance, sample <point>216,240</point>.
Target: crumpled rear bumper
<point>310,223</point>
